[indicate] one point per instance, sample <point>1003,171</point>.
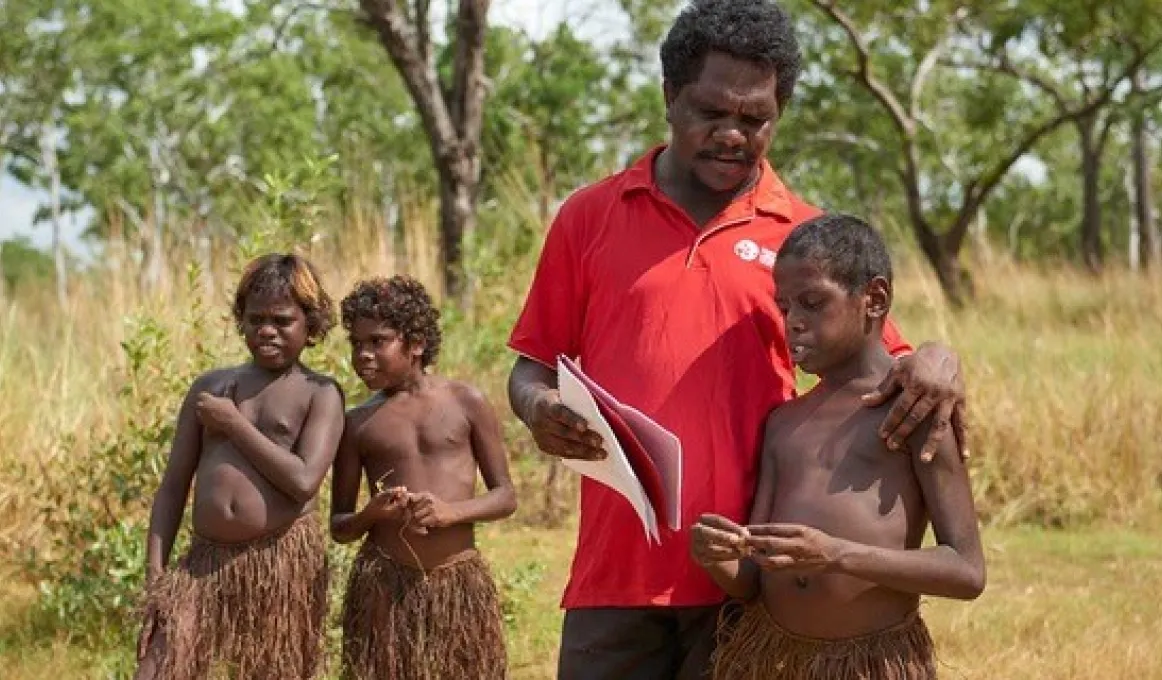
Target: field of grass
<point>1060,605</point>
<point>1065,389</point>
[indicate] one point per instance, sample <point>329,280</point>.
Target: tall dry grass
<point>1065,379</point>
<point>1064,388</point>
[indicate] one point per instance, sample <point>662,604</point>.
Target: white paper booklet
<point>646,470</point>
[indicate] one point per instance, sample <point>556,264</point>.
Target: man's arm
<point>297,473</point>
<point>533,395</point>
<point>488,449</point>
<point>170,501</point>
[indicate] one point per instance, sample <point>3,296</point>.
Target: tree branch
<point>468,69</point>
<point>1005,66</point>
<point>906,124</point>
<point>928,64</point>
<point>399,37</point>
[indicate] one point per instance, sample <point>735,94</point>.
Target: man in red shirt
<point>659,280</point>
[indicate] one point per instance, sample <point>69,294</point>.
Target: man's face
<point>721,124</point>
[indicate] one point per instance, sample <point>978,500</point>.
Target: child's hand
<point>429,512</point>
<point>793,546</point>
<point>218,413</point>
<point>387,505</point>
<point>716,539</point>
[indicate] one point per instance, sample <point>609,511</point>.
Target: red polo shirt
<point>681,323</point>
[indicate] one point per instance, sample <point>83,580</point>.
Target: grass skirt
<point>406,624</point>
<point>248,610</point>
<point>756,648</point>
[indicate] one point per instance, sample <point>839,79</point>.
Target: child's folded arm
<point>298,473</point>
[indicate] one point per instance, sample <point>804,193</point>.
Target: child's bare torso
<point>421,440</point>
<point>233,502</point>
<point>834,473</point>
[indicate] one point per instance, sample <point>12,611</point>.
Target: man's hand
<point>792,546</point>
<point>929,383</point>
<point>561,432</point>
<point>716,539</point>
<point>429,512</point>
<point>218,413</point>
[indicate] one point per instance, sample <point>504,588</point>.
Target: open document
<point>644,461</point>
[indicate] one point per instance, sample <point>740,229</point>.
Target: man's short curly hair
<point>754,30</point>
<point>292,276</point>
<point>403,304</point>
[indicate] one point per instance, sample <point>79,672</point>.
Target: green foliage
<point>92,572</point>
<point>518,586</point>
<point>24,265</point>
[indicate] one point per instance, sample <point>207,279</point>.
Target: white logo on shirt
<point>747,250</point>
<point>767,258</point>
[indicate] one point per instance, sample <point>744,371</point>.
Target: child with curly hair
<point>249,598</point>
<point>420,601</point>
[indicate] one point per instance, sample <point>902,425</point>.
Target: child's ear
<point>878,295</point>
<point>417,347</point>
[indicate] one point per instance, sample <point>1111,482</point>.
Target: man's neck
<point>699,202</point>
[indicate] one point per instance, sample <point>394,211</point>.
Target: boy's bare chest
<point>278,410</point>
<point>415,430</point>
<point>839,462</point>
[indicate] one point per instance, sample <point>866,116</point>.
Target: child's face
<point>826,325</point>
<point>380,355</point>
<point>275,328</point>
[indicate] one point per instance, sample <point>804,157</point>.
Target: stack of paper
<point>643,461</point>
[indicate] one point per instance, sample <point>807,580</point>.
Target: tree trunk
<point>457,221</point>
<point>1148,245</point>
<point>953,278</point>
<point>452,113</point>
<point>548,189</point>
<point>1134,226</point>
<point>1092,250</point>
<point>51,167</point>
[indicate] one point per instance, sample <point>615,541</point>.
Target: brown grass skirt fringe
<point>246,610</point>
<point>756,648</point>
<point>402,624</point>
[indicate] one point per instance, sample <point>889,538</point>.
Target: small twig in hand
<point>379,482</point>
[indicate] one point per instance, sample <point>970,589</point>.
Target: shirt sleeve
<point>551,321</point>
<point>894,341</point>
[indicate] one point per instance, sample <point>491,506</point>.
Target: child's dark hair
<point>401,303</point>
<point>292,276</point>
<point>850,250</point>
<point>754,30</point>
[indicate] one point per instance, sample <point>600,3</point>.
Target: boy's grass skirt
<point>756,648</point>
<point>402,623</point>
<point>245,610</point>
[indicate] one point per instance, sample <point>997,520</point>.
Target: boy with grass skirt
<point>420,600</point>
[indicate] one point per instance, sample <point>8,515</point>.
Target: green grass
<point>1060,605</point>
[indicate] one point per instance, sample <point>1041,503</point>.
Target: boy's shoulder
<point>786,414</point>
<point>321,381</point>
<point>361,412</point>
<point>468,396</point>
<point>216,379</point>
